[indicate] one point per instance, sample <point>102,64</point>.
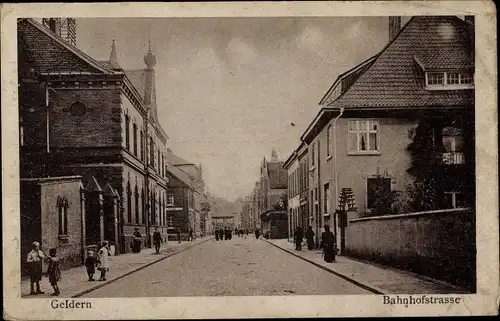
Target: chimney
<point>394,26</point>
<point>469,20</point>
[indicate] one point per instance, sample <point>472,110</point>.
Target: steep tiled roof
<point>394,80</point>
<point>277,175</point>
<point>176,160</point>
<point>179,174</point>
<point>50,53</point>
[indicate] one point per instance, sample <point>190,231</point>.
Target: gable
<point>51,54</point>
<point>393,79</point>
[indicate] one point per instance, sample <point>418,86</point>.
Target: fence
<point>439,244</point>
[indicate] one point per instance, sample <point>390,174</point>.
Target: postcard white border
<point>484,302</point>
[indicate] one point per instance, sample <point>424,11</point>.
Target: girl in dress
<point>53,271</point>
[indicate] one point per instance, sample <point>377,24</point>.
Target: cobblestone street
<point>234,267</point>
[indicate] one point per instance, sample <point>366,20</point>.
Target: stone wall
<point>439,244</point>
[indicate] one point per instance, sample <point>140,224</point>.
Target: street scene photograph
<point>246,156</point>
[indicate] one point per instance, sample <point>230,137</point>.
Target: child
<point>35,263</point>
<point>90,264</point>
<point>53,271</point>
<point>102,260</point>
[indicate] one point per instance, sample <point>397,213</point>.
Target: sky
<point>228,89</point>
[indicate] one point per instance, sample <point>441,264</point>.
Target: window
<point>454,200</point>
<point>328,141</point>
<point>453,147</point>
<point>135,139</point>
<point>136,205</point>
<point>312,155</point>
<point>363,136</point>
<point>326,197</point>
<point>144,206</point>
<point>376,187</point>
<point>142,146</point>
<point>127,129</point>
<point>435,78</point>
<point>170,198</point>
<point>170,221</point>
<point>441,80</point>
<point>158,164</point>
<point>151,152</point>
<point>129,203</point>
<point>62,207</point>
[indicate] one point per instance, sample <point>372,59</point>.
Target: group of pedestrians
<point>327,241</point>
<point>223,234</point>
<point>36,258</point>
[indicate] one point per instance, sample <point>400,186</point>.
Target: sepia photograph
<point>247,156</point>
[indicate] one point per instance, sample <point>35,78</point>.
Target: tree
<point>384,197</point>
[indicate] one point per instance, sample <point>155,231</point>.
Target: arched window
<point>144,209</point>
<point>129,203</point>
<point>62,207</point>
<point>142,145</point>
<point>136,205</point>
<point>135,139</point>
<point>151,152</point>
<point>127,130</point>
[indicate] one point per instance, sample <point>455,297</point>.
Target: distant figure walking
<point>257,233</point>
<point>299,235</point>
<point>179,235</point>
<point>216,235</point>
<point>103,260</point>
<point>136,243</point>
<point>157,240</point>
<point>53,271</point>
<point>327,244</point>
<point>90,264</point>
<point>35,266</point>
<point>310,238</point>
<point>190,235</point>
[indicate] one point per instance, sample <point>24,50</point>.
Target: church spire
<point>113,59</point>
<point>149,58</point>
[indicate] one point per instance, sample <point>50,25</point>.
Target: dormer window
<point>449,80</point>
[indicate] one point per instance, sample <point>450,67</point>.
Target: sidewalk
<point>375,278</point>
<point>74,282</point>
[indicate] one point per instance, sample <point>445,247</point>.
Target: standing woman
<point>35,266</point>
<point>298,238</point>
<point>103,261</point>
<point>327,244</point>
<point>310,238</point>
<point>216,235</point>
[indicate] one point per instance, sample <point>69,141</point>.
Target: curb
<point>343,276</point>
<point>100,285</point>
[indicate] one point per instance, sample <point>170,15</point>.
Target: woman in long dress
<point>103,261</point>
<point>327,245</point>
<point>310,238</point>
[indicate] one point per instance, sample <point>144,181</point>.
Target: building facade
<point>80,116</point>
<point>291,165</point>
<point>397,141</point>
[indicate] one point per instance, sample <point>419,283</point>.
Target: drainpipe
<point>335,170</point>
<point>146,183</point>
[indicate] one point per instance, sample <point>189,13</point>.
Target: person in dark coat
<point>90,264</point>
<point>137,241</point>
<point>216,235</point>
<point>327,244</point>
<point>179,235</point>
<point>190,235</point>
<point>310,238</point>
<point>157,240</point>
<point>230,233</point>
<point>257,233</point>
<point>299,235</point>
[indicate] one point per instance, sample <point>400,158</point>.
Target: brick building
<point>80,116</point>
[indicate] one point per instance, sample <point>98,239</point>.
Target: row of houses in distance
<point>394,132</point>
<point>94,163</point>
